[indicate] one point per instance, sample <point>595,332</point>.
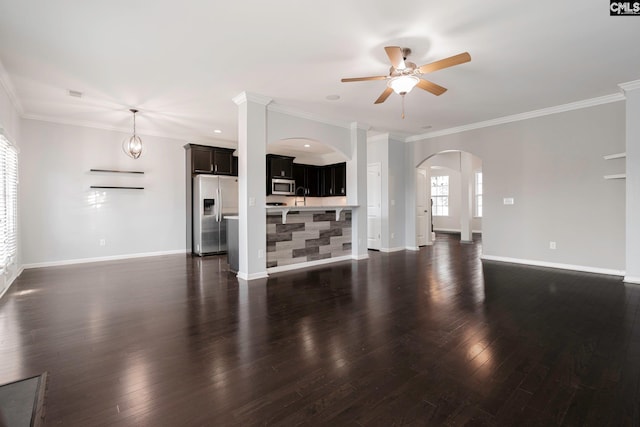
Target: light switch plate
<point>508,200</point>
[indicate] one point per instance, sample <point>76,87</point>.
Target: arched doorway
<point>449,196</point>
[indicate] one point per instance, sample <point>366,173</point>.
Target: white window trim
<point>445,197</point>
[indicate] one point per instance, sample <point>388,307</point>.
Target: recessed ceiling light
<point>333,97</point>
<point>75,93</point>
<point>217,131</point>
<point>427,127</point>
<point>307,145</point>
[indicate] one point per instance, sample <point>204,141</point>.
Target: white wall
<point>63,219</point>
<point>553,167</point>
<point>390,153</point>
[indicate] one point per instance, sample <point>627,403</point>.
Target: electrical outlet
<point>103,242</point>
<point>552,245</point>
<point>260,253</point>
<point>508,201</point>
<point>252,201</point>
<point>393,235</point>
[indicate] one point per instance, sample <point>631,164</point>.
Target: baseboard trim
<point>307,264</point>
<point>453,230</point>
<point>101,259</point>
<point>391,249</point>
<point>413,248</point>
<point>360,257</point>
<point>582,268</point>
<point>252,276</point>
<point>632,279</point>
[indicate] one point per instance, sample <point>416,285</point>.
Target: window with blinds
<point>8,203</point>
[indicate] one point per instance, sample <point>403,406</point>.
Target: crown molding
<point>522,116</point>
<point>277,108</point>
<point>127,130</point>
<point>244,97</point>
<point>360,126</point>
<point>378,138</point>
<point>629,86</point>
<point>5,82</point>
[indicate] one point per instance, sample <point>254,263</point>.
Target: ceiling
<point>181,63</point>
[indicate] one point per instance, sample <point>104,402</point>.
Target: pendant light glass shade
<point>403,84</point>
<point>132,146</point>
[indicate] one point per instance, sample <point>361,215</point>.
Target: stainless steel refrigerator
<point>214,197</point>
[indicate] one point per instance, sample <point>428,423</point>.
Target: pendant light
<point>132,146</point>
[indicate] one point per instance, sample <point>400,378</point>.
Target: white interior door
<point>422,208</point>
<point>374,206</point>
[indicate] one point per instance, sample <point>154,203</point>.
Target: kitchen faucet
<point>304,195</point>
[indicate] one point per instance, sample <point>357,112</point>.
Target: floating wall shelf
<point>114,187</point>
<point>115,171</point>
<point>616,156</point>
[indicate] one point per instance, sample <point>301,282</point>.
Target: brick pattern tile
<point>307,236</point>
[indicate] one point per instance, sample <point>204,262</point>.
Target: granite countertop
<point>310,208</point>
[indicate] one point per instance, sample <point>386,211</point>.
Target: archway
<point>449,196</point>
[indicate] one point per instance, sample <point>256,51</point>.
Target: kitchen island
<point>299,236</point>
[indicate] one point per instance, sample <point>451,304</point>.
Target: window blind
<point>8,203</point>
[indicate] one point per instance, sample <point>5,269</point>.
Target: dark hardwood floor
<point>434,337</point>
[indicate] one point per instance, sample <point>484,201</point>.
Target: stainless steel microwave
<point>283,187</point>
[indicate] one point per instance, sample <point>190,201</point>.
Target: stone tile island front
<point>307,235</point>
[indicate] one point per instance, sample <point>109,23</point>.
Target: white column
<point>410,239</point>
<point>632,93</point>
<point>252,147</point>
<point>357,191</point>
<point>466,192</point>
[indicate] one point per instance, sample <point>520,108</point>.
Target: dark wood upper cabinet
<point>308,177</point>
<point>201,161</point>
<point>222,162</point>
<point>334,180</point>
<point>205,159</point>
<point>313,181</point>
<point>340,179</point>
<point>234,166</point>
<point>279,166</point>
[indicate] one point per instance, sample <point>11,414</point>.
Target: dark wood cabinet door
<point>340,179</point>
<point>201,161</point>
<point>300,176</point>
<point>313,181</point>
<point>326,175</point>
<point>222,162</point>
<point>281,167</point>
<point>234,166</point>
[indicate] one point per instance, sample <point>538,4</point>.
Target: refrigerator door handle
<point>218,208</point>
<point>221,205</point>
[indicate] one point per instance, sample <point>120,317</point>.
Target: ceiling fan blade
<point>395,56</point>
<point>444,63</point>
<point>431,87</point>
<point>363,79</point>
<point>384,96</point>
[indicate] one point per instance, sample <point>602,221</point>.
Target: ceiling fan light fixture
<point>403,84</point>
<point>132,146</point>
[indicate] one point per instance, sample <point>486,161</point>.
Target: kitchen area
<point>308,219</point>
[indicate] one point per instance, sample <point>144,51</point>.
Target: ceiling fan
<point>405,75</point>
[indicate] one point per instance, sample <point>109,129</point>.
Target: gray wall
<point>63,219</point>
<point>553,167</point>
